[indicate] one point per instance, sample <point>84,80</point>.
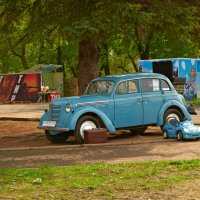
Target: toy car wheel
<point>85,123</point>
<point>165,134</point>
<point>58,138</point>
<point>179,136</point>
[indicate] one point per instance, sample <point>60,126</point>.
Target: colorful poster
<point>190,89</point>
<point>20,87</point>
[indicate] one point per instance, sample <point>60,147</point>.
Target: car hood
<point>190,126</point>
<point>83,100</point>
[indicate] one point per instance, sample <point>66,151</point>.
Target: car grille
<point>55,112</point>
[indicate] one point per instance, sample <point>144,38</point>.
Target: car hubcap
<point>172,115</point>
<point>87,125</point>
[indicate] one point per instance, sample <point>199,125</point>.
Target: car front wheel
<point>85,123</point>
<point>58,138</point>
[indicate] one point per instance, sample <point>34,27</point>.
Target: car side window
<point>121,88</point>
<point>150,85</point>
<point>165,86</point>
<point>133,86</point>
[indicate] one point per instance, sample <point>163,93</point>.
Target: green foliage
<point>182,46</point>
<point>43,31</point>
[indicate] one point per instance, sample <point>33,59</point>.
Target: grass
<point>195,102</point>
<point>94,181</point>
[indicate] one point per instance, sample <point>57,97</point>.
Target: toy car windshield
<point>173,122</point>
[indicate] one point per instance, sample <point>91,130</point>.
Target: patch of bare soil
<point>21,133</point>
<point>26,134</point>
<point>187,190</point>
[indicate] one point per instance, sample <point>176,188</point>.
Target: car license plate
<point>49,123</point>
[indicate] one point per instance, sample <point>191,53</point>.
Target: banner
<point>20,87</point>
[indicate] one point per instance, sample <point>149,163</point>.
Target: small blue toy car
<point>180,130</point>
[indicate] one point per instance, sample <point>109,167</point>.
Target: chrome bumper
<point>53,128</point>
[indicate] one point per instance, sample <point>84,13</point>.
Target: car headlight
<point>68,107</point>
<point>186,130</point>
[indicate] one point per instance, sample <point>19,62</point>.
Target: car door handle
<point>139,100</point>
<point>145,99</point>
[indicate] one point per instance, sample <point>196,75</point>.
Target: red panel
<point>20,87</point>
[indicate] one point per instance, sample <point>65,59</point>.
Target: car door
<point>128,104</point>
<point>152,99</point>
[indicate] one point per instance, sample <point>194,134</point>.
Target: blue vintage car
<point>180,130</point>
<point>131,101</point>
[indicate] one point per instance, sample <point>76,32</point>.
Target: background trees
<point>95,37</point>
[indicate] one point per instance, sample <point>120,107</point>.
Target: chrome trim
<point>56,112</point>
<point>92,103</point>
<point>53,128</point>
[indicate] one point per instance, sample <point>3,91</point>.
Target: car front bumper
<point>192,135</point>
<point>53,128</point>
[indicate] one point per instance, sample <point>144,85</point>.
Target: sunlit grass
<point>96,180</point>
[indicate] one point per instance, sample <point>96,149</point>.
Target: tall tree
<point>90,23</point>
<point>153,17</point>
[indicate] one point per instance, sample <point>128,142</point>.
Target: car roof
<point>131,76</point>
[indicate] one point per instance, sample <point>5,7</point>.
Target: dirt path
<point>121,147</point>
<point>25,134</point>
<point>63,155</point>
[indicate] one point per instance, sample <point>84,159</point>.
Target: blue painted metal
<point>187,128</point>
<point>116,110</point>
<point>188,68</point>
<point>169,104</point>
<point>90,111</point>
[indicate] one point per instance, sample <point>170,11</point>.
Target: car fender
<point>76,115</point>
<point>45,117</point>
<point>168,105</point>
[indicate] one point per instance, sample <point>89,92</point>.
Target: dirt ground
<point>26,134</point>
<point>21,134</point>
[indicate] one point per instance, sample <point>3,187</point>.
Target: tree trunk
<point>88,63</point>
<point>106,63</point>
<point>23,57</point>
<point>143,44</point>
<point>133,63</point>
<point>59,54</point>
<point>41,52</point>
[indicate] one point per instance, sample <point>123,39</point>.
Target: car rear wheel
<point>85,123</point>
<point>172,113</point>
<point>179,136</point>
<point>165,134</point>
<point>138,130</point>
<point>58,138</point>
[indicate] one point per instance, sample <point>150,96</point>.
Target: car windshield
<point>100,87</point>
